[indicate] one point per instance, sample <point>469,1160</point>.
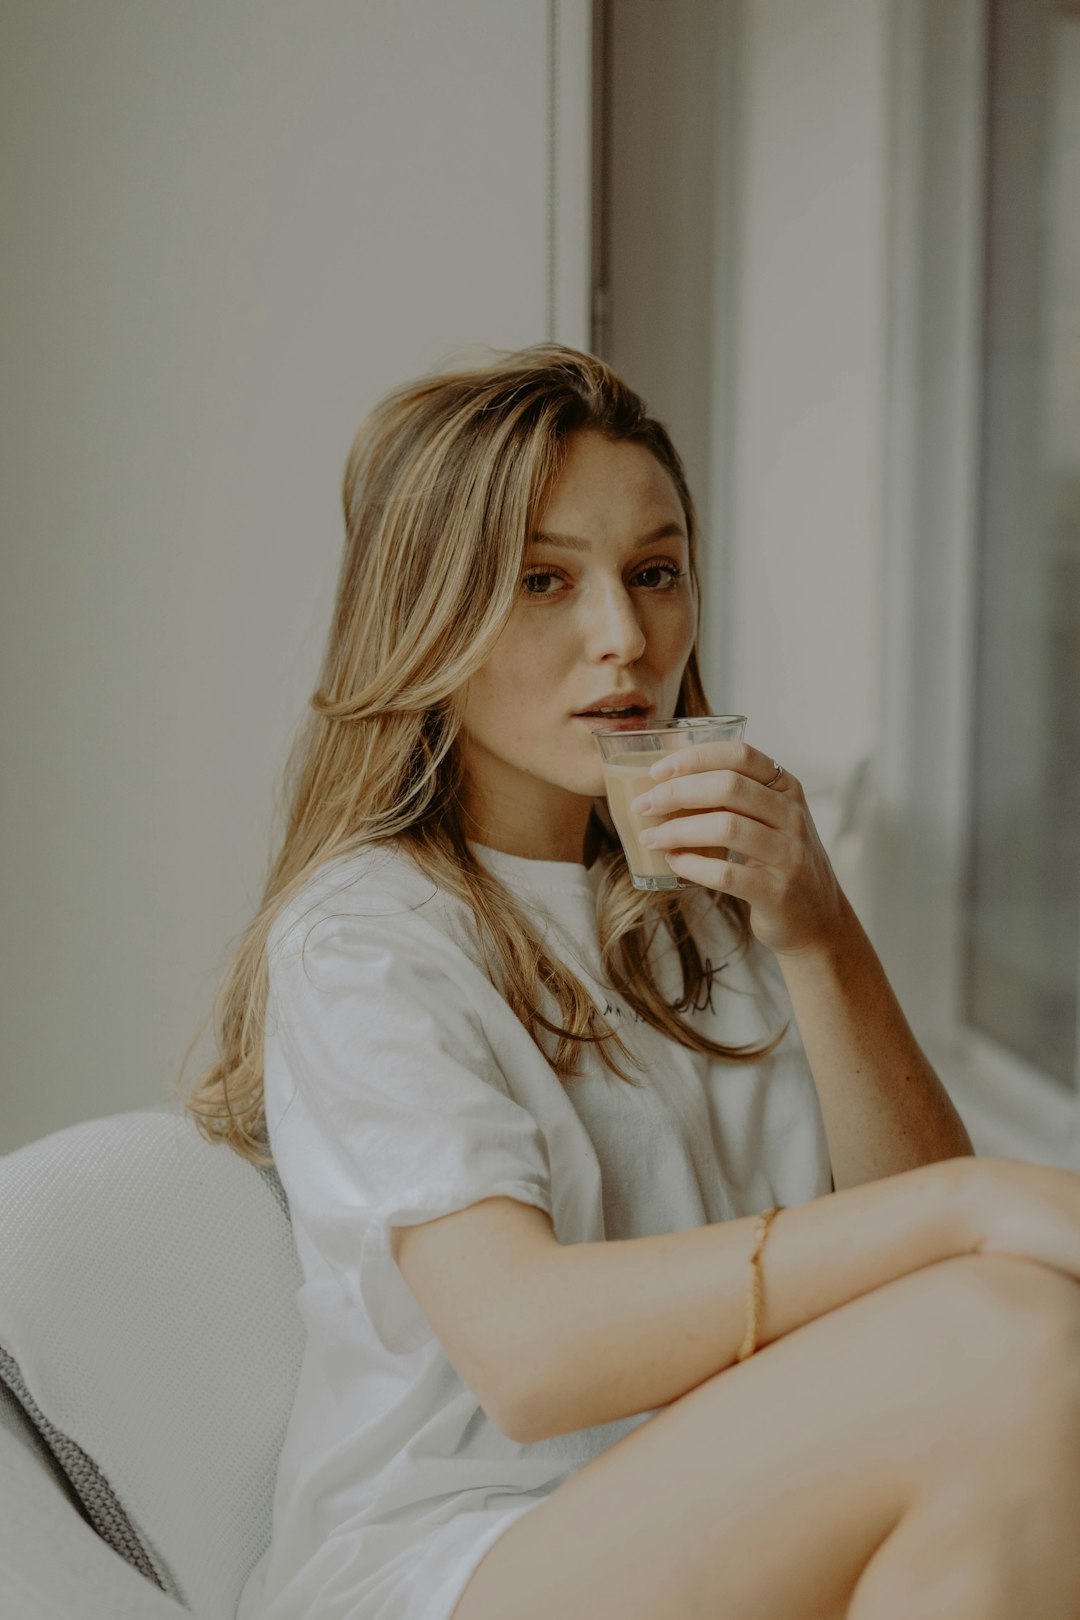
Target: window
<point>1022,896</point>
<point>977,906</point>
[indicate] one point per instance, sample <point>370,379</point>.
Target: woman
<point>534,1125</point>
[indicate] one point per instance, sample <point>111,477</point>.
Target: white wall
<point>228,230</point>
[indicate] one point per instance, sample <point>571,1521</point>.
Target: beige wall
<point>228,230</point>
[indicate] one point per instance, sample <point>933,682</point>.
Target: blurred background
<point>836,244</point>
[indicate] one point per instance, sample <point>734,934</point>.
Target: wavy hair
<point>444,483</point>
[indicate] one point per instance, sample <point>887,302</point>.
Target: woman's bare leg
<point>901,1455</point>
<point>999,1541</point>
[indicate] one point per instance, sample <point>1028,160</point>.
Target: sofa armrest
<point>53,1566</point>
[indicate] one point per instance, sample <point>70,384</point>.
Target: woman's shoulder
<point>369,885</point>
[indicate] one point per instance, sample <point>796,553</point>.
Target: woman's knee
<point>1022,1295</point>
<point>1015,1321</point>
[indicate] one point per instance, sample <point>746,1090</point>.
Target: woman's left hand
<point>734,803</point>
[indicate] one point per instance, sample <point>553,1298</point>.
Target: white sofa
<point>149,1352</point>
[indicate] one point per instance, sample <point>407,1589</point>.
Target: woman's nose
<point>613,624</point>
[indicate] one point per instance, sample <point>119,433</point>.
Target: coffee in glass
<point>627,756</point>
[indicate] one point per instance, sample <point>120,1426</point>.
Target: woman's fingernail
<point>648,837</point>
<point>642,802</point>
<point>659,769</point>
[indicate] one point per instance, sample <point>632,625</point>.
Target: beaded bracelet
<point>753,1285</point>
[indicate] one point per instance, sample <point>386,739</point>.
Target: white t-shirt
<point>400,1087</point>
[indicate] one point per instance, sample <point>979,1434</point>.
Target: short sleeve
<point>397,1111</point>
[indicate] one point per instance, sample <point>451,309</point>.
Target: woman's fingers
<point>717,790</point>
<point>712,872</point>
<point>739,757</point>
<point>739,805</point>
<point>721,829</point>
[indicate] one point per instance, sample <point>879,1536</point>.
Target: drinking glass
<point>627,754</point>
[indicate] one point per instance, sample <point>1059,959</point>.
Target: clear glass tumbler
<point>627,753</point>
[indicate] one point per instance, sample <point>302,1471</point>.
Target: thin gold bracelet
<point>753,1285</point>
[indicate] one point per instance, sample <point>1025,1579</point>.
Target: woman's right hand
<point>1028,1210</point>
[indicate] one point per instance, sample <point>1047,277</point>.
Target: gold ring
<point>779,773</point>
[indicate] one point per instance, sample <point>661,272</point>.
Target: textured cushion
<point>52,1565</point>
<point>85,1484</point>
<point>149,1331</point>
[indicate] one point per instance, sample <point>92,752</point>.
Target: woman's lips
<point>609,722</point>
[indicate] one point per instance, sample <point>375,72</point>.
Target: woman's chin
<point>592,786</point>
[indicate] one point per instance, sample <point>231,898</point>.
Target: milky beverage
<point>623,783</point>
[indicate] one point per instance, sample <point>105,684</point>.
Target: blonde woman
<point>561,1361</point>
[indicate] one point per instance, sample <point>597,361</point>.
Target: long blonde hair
<point>444,483</point>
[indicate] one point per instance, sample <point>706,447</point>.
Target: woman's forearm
<point>600,1331</point>
<point>885,1109</point>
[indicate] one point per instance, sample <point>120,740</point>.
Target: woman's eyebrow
<point>571,542</point>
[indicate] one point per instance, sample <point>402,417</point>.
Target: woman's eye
<point>539,574</point>
<point>664,568</point>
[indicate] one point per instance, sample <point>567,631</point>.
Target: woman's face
<point>605,606</point>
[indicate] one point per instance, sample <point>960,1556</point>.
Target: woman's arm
<point>885,1110</point>
<point>556,1337</point>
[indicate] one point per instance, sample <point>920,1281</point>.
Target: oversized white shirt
<point>400,1087</point>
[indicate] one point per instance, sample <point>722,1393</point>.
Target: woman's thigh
<point>763,1493</point>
